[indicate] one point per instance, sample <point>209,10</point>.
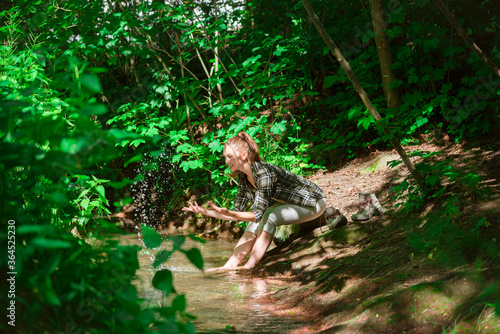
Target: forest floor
<point>395,273</point>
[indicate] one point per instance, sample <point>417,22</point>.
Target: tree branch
<point>359,89</point>
<point>446,12</point>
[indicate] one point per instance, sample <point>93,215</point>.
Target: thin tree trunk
<point>392,94</point>
<point>216,54</point>
<point>188,113</point>
<point>198,54</point>
<point>193,101</point>
<point>446,12</point>
<point>359,89</point>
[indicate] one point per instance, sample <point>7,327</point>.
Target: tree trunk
<point>188,112</point>
<point>216,55</point>
<point>392,94</point>
<point>446,12</point>
<point>359,89</point>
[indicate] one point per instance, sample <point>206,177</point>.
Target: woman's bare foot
<point>220,269</point>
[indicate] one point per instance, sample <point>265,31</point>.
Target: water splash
<point>154,194</point>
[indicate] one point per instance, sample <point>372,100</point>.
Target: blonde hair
<point>244,143</point>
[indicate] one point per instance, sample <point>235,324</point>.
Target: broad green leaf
<point>133,159</point>
<point>97,69</point>
<point>73,145</point>
<point>92,109</point>
<point>278,128</point>
<point>147,316</point>
<point>101,191</point>
<point>396,83</point>
<point>191,164</point>
<point>251,60</point>
<point>50,243</point>
<point>151,238</point>
<point>161,257</point>
<point>215,110</point>
<point>166,312</point>
<point>137,142</point>
<point>196,238</point>
<point>194,255</point>
<point>215,146</point>
<point>421,121</point>
<point>85,203</point>
<point>163,280</point>
<point>83,193</point>
<point>91,82</point>
<point>39,229</point>
<point>353,112</point>
<point>177,136</point>
<point>279,50</point>
<point>365,122</point>
<point>415,98</point>
<point>179,303</point>
<point>185,148</point>
<point>119,134</point>
<point>177,240</point>
<point>395,31</point>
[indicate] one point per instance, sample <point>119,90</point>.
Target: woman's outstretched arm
<point>220,213</point>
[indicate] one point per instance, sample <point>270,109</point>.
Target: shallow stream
<point>218,300</point>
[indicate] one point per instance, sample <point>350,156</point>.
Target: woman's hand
<point>194,207</point>
<point>214,207</point>
<point>220,213</point>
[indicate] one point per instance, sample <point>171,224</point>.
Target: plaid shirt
<point>274,184</point>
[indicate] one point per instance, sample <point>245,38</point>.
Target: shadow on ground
<point>432,271</point>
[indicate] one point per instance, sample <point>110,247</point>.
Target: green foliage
<point>52,145</point>
<point>92,198</point>
<point>443,85</point>
<point>197,79</point>
<point>172,82</point>
<point>64,284</point>
<point>152,239</point>
<point>165,64</point>
<point>163,279</point>
<point>441,179</point>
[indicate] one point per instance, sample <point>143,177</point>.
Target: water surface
<point>217,300</point>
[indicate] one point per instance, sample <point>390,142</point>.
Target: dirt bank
<point>396,273</point>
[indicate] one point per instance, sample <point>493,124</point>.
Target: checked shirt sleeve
<point>264,182</point>
<point>241,199</point>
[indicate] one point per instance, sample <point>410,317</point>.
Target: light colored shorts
<point>286,214</point>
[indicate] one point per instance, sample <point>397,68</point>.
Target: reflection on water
<point>216,299</point>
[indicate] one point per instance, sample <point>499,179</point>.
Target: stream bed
<point>218,300</point>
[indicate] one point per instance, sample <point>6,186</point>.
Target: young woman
<point>278,197</point>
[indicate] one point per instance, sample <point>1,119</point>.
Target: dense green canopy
<point>99,96</point>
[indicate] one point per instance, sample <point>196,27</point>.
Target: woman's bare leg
<point>242,249</point>
<point>259,249</point>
